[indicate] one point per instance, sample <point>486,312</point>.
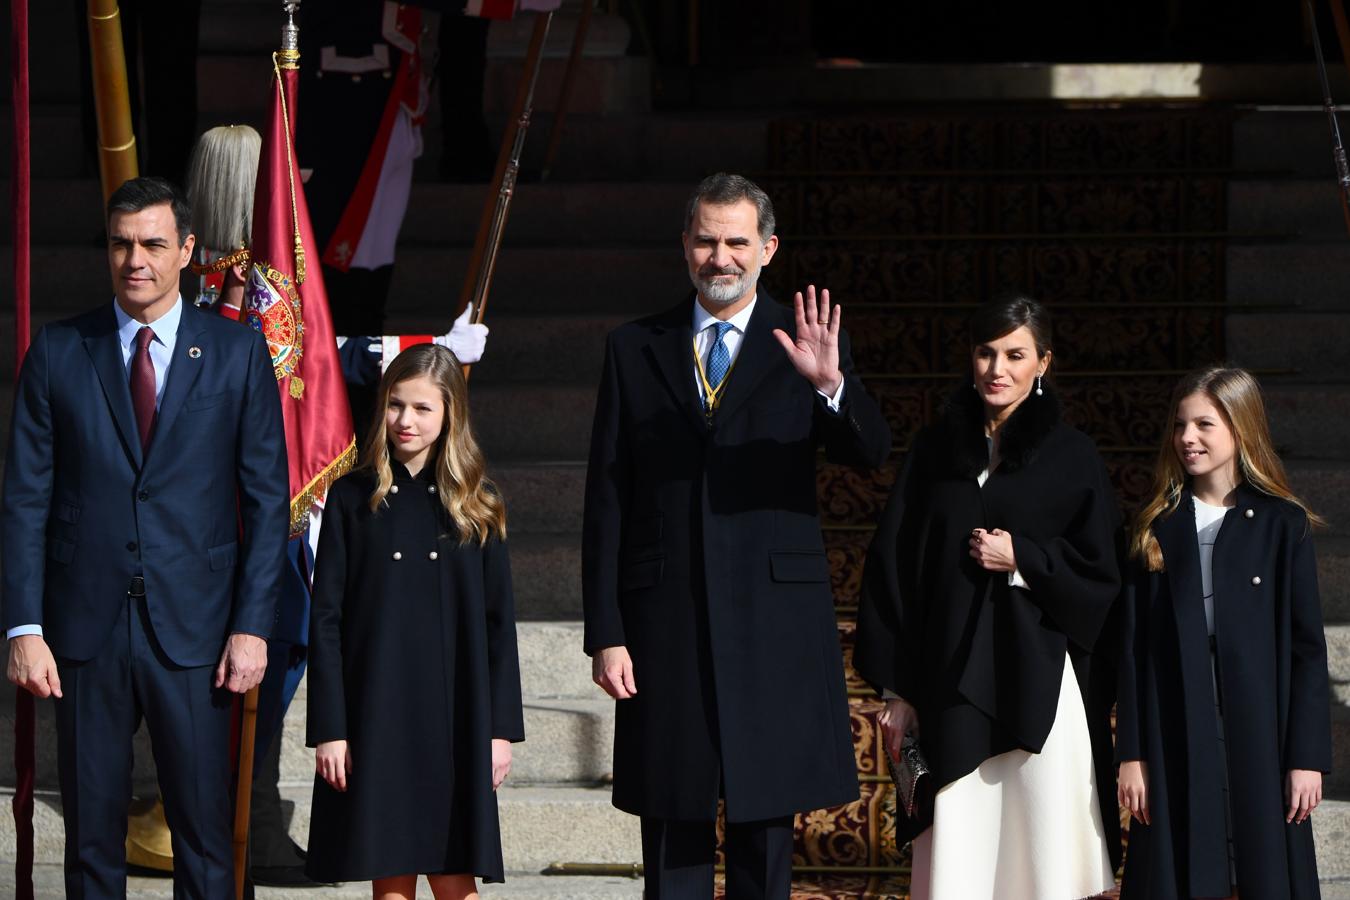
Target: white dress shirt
<point>161,354</point>
<point>705,335</point>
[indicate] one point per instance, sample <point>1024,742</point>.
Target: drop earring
<point>1039,392</point>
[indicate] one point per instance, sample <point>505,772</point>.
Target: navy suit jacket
<point>202,514</point>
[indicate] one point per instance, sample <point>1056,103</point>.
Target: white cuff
<point>20,630</point>
<point>833,402</point>
<point>1015,579</point>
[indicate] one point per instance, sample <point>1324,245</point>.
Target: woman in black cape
<point>987,583</point>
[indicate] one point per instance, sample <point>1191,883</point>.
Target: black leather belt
<point>137,587</point>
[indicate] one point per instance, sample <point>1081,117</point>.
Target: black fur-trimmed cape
<point>983,661</point>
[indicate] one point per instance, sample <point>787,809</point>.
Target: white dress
<point>1022,825</point>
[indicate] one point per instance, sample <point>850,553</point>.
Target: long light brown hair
<point>1237,396</point>
<point>470,498</point>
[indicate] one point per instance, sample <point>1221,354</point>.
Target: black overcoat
<point>1272,673</point>
<point>702,554</point>
<point>982,661</point>
<point>412,660</point>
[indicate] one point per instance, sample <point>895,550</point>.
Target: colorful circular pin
<point>195,352</point>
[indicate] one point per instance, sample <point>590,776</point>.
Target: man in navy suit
<point>144,519</point>
<point>709,615</point>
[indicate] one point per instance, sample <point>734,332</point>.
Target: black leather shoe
<point>283,876</point>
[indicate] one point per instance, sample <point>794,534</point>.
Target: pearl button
<point>432,555</point>
<point>1256,579</point>
<point>1251,513</point>
<point>397,556</point>
<point>393,489</point>
<point>431,489</point>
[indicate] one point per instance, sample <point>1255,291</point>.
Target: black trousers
<point>678,857</point>
<point>104,700</point>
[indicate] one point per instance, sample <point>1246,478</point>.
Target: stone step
<point>546,576</point>
<point>612,147</point>
<point>1293,139</point>
<point>1333,577</point>
<point>553,421</point>
<point>548,497</point>
<point>427,280</point>
<point>1307,206</point>
<point>1312,343</point>
<point>1294,275</point>
<point>569,721</point>
<point>542,498</point>
<point>544,825</point>
<point>49,884</point>
<point>539,825</point>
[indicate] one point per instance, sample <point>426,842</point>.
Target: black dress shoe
<point>283,876</point>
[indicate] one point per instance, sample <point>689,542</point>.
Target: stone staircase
<point>600,246</point>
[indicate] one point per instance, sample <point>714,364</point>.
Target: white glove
<point>465,339</point>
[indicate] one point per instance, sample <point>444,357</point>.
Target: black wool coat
<point>413,661</point>
<point>1272,675</point>
<point>981,661</point>
<point>702,555</point>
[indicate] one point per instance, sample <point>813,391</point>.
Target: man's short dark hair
<point>137,194</point>
<point>723,189</point>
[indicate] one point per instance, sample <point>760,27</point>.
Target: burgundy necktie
<point>143,385</point>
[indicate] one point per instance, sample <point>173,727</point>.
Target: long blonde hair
<point>1238,398</point>
<point>470,498</point>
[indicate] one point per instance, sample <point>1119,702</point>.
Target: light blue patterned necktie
<point>719,361</point>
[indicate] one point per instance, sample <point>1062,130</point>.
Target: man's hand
<point>815,354</point>
<point>1132,789</point>
<point>466,338</point>
<point>333,762</point>
<point>897,719</point>
<point>501,761</point>
<point>32,666</point>
<point>612,669</point>
<point>242,664</point>
<point>1302,794</point>
<point>993,550</point>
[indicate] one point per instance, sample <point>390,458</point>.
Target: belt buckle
<point>137,586</point>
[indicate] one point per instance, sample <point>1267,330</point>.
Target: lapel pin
<point>194,352</point>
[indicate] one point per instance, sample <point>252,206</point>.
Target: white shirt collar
<point>166,326</point>
<point>740,321</point>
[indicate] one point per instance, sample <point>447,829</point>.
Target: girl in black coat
<point>989,578</point>
<point>1224,702</point>
<point>414,682</point>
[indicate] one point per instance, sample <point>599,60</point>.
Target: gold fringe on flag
<point>318,487</point>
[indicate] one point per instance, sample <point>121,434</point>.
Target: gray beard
<point>721,293</point>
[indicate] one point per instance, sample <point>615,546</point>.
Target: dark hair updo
<point>1005,314</point>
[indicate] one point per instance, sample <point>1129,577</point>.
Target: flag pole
<point>569,82</point>
<point>492,224</point>
<point>116,137</point>
<point>24,718</point>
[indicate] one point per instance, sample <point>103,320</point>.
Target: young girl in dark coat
<point>1223,723</point>
<point>414,682</point>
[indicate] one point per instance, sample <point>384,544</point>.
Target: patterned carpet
<point>1114,217</point>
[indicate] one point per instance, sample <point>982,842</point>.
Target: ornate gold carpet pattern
<point>1114,217</point>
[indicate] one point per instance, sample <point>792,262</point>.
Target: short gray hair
<point>723,189</point>
<point>221,180</point>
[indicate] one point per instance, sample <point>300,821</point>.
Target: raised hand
<point>815,352</point>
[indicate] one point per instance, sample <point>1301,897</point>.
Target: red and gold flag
<point>285,301</point>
